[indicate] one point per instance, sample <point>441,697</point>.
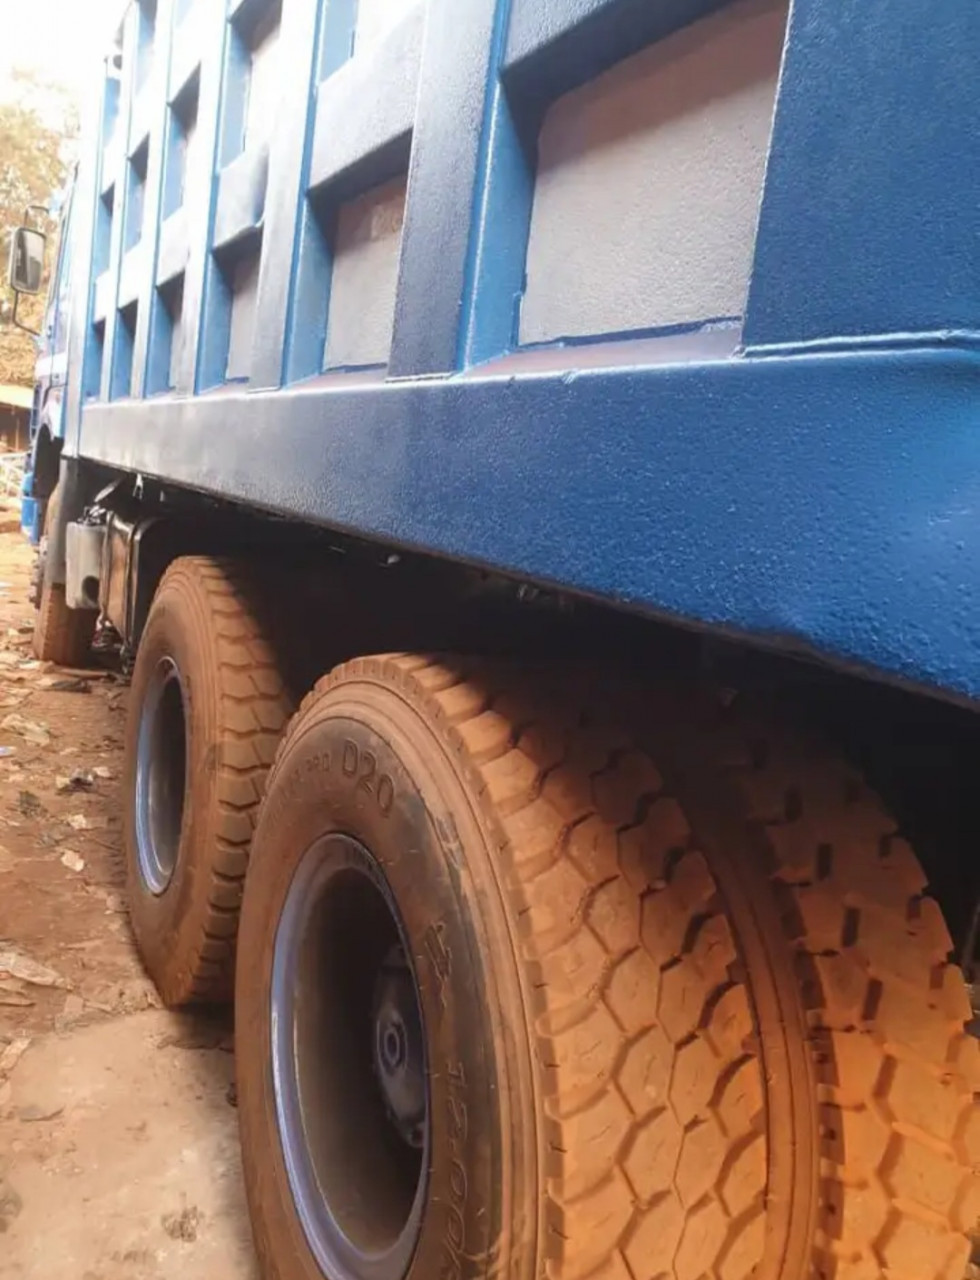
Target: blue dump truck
<point>530,452</point>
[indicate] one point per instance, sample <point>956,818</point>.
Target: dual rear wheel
<point>523,993</point>
<point>207,709</point>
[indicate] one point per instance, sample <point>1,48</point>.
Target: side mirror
<point>26,260</point>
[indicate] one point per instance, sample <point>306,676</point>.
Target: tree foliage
<point>38,132</point>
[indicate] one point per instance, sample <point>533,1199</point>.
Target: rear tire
<point>684,1019</point>
<point>61,635</point>
<point>206,709</point>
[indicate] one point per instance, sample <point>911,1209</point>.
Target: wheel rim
<point>349,1065</point>
<point>161,766</point>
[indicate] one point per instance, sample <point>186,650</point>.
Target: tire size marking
<point>440,958</point>
<point>454,1240</point>
<point>449,839</point>
<point>363,766</point>
<point>297,783</point>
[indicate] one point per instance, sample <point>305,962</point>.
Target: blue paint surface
<point>555,46</point>
<point>818,489</point>
<point>826,502</point>
<point>443,178</point>
<point>871,216</point>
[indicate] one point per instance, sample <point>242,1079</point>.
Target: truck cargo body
<point>625,351</point>
<point>485,286</point>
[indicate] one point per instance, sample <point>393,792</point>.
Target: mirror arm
<point>35,333</point>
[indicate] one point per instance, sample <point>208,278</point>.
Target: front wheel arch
<point>46,463</point>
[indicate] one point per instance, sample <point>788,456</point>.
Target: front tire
<point>678,1019</point>
<point>61,635</point>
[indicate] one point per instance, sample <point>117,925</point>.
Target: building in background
<point>15,418</point>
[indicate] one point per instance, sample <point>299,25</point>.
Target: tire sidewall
<point>160,920</point>
<point>341,774</point>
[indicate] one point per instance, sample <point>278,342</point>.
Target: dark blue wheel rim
<point>349,1065</point>
<point>161,768</point>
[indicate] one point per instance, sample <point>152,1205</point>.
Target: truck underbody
<point>544,693</point>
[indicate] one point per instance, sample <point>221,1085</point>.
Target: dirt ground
<point>118,1135</point>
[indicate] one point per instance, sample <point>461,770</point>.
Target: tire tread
<point>566,796</point>
<point>654,1115</point>
<point>873,956</point>
<point>253,709</point>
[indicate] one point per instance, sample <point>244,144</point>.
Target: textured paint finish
<point>199,279</point>
<point>825,503</point>
<point>181,136</point>
<point>448,148</point>
<point>649,181</point>
<point>147,319</point>
<point>555,46</point>
<point>188,37</point>
<point>264,79</point>
<point>103,297</point>
<point>373,122</point>
<point>175,307</point>
<point>84,377</point>
<point>240,201</point>
<point>375,18</point>
<point>130,275</point>
<point>174,247</point>
<point>535,25</point>
<point>115,340</point>
<point>495,277</point>
<point>243,287</point>
<point>365,275</point>
<point>143,108</point>
<point>285,211</point>
<point>871,218</point>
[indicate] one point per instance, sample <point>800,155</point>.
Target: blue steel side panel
<point>824,502</point>
<point>534,26</point>
<point>212,30</point>
<point>121,180</point>
<point>448,148</point>
<point>371,120</point>
<point>243,10</point>
<point>309,303</point>
<point>174,246</point>
<point>187,39</point>
<point>504,200</point>
<point>309,307</point>
<point>130,283</point>
<point>339,23</point>
<point>214,334</point>
<point>871,217</point>
<point>149,319</point>
<point>284,201</point>
<point>240,198</point>
<point>554,47</point>
<point>82,347</point>
<point>355,137</point>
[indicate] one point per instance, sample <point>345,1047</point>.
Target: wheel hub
<point>349,1065</point>
<point>161,762</point>
<point>399,1062</point>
